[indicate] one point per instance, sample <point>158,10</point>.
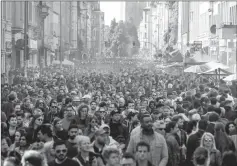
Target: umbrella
<point>230,78</point>
<point>197,69</point>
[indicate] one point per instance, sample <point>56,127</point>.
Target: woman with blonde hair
<point>86,155</point>
<point>208,142</point>
<point>33,158</point>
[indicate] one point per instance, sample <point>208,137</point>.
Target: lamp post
<point>44,12</point>
<point>80,13</point>
<point>26,39</point>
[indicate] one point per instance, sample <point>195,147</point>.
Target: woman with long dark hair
<point>23,144</point>
<point>27,105</point>
<point>13,159</point>
<point>223,142</point>
<point>5,144</point>
<point>18,134</point>
<point>42,105</point>
<point>231,130</point>
<point>12,126</point>
<point>83,118</point>
<point>201,157</point>
<point>34,124</point>
<point>92,127</point>
<point>229,159</point>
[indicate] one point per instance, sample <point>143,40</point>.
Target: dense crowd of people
<point>131,117</point>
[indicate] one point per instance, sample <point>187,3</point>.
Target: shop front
<point>33,60</point>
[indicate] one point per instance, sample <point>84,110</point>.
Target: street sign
<point>196,46</point>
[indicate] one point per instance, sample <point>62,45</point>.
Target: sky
<point>111,10</point>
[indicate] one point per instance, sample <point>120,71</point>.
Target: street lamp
<point>44,12</point>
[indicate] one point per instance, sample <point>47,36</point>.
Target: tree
<point>171,36</point>
<point>113,25</point>
<point>123,35</point>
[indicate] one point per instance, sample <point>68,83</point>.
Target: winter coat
<point>173,150</point>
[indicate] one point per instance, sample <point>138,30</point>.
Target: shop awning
<point>215,65</point>
<point>230,78</point>
<point>176,56</point>
<point>64,62</point>
<point>197,58</point>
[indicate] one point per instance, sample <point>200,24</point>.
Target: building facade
<point>153,27</point>
<point>214,24</point>
<point>6,40</point>
<point>78,27</point>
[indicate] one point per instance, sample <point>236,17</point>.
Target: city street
<point>118,83</point>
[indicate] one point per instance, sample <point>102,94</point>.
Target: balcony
<point>226,30</point>
<point>17,22</point>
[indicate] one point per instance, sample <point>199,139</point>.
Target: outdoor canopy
<point>64,62</point>
<point>230,78</point>
<point>205,68</point>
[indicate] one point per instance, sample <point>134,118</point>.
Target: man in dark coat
<point>194,141</point>
<point>8,108</point>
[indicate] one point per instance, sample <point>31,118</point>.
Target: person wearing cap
<point>100,142</point>
<point>76,103</point>
<point>86,99</point>
<point>159,151</point>
<point>117,128</point>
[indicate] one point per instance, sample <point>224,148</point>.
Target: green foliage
<point>171,36</point>
<point>122,36</point>
<point>80,47</point>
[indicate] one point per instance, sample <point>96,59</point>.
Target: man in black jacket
<point>116,127</point>
<point>194,141</point>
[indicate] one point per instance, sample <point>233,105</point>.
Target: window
<point>191,16</point>
<point>30,11</point>
<point>4,7</point>
<point>9,10</point>
<point>21,10</point>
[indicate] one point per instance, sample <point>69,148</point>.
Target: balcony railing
<point>225,24</point>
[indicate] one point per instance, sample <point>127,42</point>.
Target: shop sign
<point>33,44</point>
<point>8,46</point>
<point>222,43</point>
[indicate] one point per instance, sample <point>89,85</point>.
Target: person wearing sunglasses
<point>208,142</point>
<point>53,111</point>
<point>61,158</point>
